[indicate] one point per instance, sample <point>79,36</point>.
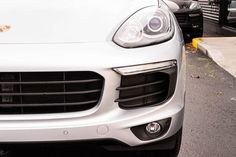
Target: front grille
<point>147,89</point>
<point>181,17</point>
<point>197,20</point>
<point>49,92</point>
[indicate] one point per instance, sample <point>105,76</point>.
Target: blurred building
<point>220,12</point>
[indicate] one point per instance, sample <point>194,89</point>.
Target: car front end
<point>189,15</point>
<point>117,76</point>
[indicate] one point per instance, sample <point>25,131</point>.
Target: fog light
<point>153,128</point>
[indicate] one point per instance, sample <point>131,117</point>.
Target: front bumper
<point>107,145</point>
<point>106,120</point>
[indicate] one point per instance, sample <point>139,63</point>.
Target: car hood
<point>176,5</point>
<point>56,21</point>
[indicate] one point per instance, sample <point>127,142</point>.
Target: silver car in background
<point>232,11</point>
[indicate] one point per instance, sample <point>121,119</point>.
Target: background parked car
<point>232,11</point>
<point>189,15</point>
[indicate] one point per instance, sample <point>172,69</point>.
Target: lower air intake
<point>49,92</point>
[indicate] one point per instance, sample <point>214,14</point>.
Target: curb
<point>200,46</point>
<point>195,42</point>
<point>212,53</point>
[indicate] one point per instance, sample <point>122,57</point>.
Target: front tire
<point>175,152</point>
<point>164,153</point>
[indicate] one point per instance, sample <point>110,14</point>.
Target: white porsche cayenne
<point>76,70</point>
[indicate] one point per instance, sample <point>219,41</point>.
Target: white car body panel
<point>61,21</point>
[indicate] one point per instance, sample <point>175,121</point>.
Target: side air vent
<point>147,89</point>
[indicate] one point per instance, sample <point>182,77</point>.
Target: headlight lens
<point>148,26</point>
<point>194,5</point>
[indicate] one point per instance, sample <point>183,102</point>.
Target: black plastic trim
<point>172,72</point>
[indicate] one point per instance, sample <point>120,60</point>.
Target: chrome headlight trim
<point>144,68</point>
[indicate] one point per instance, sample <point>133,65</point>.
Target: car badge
<point>4,28</point>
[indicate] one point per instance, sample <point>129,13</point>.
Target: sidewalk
<point>222,50</point>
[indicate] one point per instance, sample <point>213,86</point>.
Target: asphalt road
<point>210,117</point>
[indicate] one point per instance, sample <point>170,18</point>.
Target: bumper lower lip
<point>107,144</point>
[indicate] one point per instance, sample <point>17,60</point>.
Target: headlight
<point>194,5</point>
<point>148,26</point>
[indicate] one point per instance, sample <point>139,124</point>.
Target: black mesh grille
<point>181,17</point>
<point>147,89</point>
<point>197,20</point>
<point>49,92</point>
